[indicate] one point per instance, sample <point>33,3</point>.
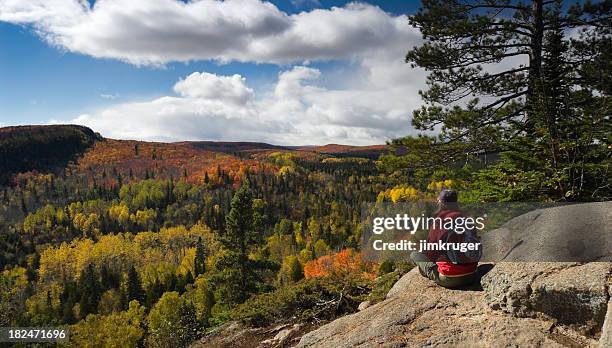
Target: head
<point>447,200</point>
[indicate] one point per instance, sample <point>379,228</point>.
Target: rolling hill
<point>371,151</point>
<point>41,148</point>
<point>26,149</point>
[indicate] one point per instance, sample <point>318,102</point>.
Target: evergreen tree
<point>236,278</point>
<point>199,262</point>
<point>134,286</point>
<point>23,206</point>
<point>89,289</point>
<point>68,312</point>
<point>544,85</point>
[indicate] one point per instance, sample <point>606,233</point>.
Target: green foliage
<point>199,262</point>
<point>236,274</point>
<point>547,118</point>
<point>241,223</point>
<point>202,297</point>
<point>133,289</point>
<point>90,291</point>
<point>291,271</point>
<point>387,266</point>
<point>172,322</point>
<point>146,194</point>
<point>382,285</point>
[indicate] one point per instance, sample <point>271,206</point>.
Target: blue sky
<point>51,73</point>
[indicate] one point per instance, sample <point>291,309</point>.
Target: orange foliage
<point>163,160</point>
<point>345,262</point>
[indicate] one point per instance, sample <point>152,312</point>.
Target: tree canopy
<point>529,80</point>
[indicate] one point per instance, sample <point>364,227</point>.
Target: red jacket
<point>445,267</point>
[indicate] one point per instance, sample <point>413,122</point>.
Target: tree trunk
<point>534,88</point>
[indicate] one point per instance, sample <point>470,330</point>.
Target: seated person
<point>434,264</point>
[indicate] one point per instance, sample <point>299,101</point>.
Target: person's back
<point>435,264</point>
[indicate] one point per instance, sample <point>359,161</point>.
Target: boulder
<point>281,338</point>
<point>569,293</point>
<point>363,305</point>
<point>569,233</point>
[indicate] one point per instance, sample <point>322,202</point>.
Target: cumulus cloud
<point>371,101</point>
<point>210,86</point>
<point>296,111</point>
<point>155,32</point>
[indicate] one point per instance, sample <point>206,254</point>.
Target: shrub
<point>320,298</point>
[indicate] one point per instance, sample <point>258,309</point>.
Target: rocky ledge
<point>516,304</point>
<point>519,305</point>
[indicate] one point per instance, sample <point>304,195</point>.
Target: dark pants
<point>429,270</point>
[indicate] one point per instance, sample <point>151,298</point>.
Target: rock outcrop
<point>570,233</point>
<point>516,304</point>
<point>236,335</point>
<point>571,294</point>
<point>606,332</point>
<point>419,313</point>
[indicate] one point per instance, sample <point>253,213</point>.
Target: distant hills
<point>27,148</point>
<point>232,146</point>
<point>51,147</point>
<point>371,152</point>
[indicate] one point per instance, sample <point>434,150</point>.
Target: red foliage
<point>345,262</point>
<point>163,161</point>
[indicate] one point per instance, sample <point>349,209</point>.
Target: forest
<point>134,243</point>
<point>115,238</point>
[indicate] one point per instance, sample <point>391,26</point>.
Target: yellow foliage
<point>438,186</point>
<point>161,252</point>
<point>119,213</point>
<point>285,170</point>
<point>403,194</point>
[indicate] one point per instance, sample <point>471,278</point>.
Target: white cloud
<point>156,32</point>
<point>210,86</point>
<point>295,112</point>
<point>371,101</point>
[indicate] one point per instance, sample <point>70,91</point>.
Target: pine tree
<point>89,289</point>
<point>543,82</point>
<point>134,286</point>
<point>199,262</point>
<point>241,222</point>
<point>236,275</point>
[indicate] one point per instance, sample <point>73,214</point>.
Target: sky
<point>291,72</point>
